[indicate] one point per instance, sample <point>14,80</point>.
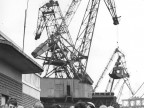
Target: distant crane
<point>105,69</point>
<point>118,72</point>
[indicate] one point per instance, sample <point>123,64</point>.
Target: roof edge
<point>8,41</point>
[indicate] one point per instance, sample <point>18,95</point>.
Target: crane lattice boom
<point>86,31</point>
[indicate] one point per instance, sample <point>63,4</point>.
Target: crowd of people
<point>12,103</point>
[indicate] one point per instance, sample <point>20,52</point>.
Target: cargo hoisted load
<point>118,71</point>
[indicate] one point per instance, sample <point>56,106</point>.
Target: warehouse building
<point>19,76</point>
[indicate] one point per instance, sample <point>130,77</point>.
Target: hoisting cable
<point>117,34</point>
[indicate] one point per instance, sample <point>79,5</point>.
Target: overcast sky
<point>129,33</point>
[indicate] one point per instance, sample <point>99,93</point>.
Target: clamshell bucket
<point>118,73</point>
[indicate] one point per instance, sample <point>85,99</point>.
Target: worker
<point>56,106</point>
<point>38,105</point>
<point>72,106</point>
<point>90,105</point>
<point>12,103</point>
<point>80,105</point>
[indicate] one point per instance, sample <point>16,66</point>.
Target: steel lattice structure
<point>85,35</point>
<point>58,50</point>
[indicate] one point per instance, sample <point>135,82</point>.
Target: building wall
<point>10,83</point>
<point>58,88</point>
<point>25,88</point>
<point>10,71</point>
<point>31,89</point>
<point>10,88</point>
<point>28,101</point>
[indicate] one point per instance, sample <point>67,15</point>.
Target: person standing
<point>38,105</point>
<point>11,103</point>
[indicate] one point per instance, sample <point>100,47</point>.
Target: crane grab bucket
<point>118,73</point>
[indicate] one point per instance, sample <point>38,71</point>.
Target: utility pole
<point>25,24</point>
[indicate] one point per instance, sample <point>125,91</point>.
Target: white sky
<point>129,32</point>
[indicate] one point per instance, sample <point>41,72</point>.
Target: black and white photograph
<point>71,54</point>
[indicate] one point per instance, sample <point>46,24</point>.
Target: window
<point>4,99</point>
<point>125,103</point>
<point>138,102</point>
<point>132,103</point>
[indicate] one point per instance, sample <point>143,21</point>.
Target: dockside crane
<point>58,48</point>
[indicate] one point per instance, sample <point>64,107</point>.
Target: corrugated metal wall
<point>11,88</point>
<point>28,101</point>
